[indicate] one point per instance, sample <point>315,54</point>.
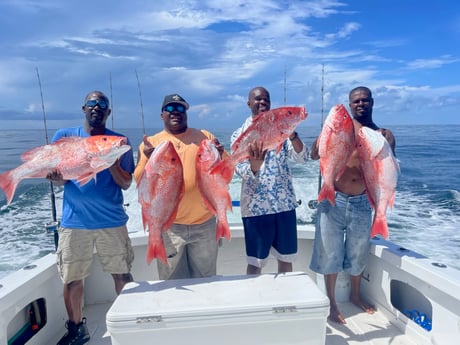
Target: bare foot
<point>362,305</point>
<point>335,316</point>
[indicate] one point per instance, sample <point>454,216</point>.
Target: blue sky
<point>212,52</point>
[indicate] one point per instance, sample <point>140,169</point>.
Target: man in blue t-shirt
<point>92,216</point>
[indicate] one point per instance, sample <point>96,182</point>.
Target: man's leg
<point>73,295</point>
<point>334,313</point>
<point>253,270</point>
<point>284,266</point>
<point>355,296</point>
<point>120,280</point>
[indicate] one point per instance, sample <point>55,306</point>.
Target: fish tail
<point>156,251</point>
<point>222,230</point>
<point>379,227</point>
<point>156,247</point>
<point>327,193</point>
<point>8,184</point>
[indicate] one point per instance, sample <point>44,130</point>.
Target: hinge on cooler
<point>147,319</point>
<point>286,309</point>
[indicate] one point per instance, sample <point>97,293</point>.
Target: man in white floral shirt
<point>268,199</point>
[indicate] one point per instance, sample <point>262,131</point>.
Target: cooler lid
<point>216,295</point>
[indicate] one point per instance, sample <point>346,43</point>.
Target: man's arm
<point>390,138</point>
<point>120,176</point>
<point>314,154</point>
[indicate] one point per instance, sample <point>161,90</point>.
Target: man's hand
<point>219,147</point>
<point>256,155</point>
<point>148,147</point>
<point>56,177</point>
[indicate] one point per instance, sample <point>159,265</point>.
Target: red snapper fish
<point>380,171</point>
<point>213,176</point>
<point>271,127</point>
<point>336,143</point>
<point>76,158</point>
<point>160,189</point>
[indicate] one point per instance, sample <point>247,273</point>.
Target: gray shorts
<point>76,247</point>
<point>342,236</point>
<point>191,251</point>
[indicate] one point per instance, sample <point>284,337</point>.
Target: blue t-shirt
<point>99,203</point>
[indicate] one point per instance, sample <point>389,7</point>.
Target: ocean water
<point>425,217</point>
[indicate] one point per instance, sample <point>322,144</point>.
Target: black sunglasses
<point>171,107</point>
<point>91,103</point>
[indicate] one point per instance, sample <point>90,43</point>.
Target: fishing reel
<point>52,227</point>
<point>313,204</point>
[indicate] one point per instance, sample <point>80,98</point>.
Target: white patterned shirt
<point>270,190</point>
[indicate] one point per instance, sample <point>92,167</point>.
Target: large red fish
<point>335,146</point>
<point>213,176</point>
<point>272,128</point>
<point>380,171</point>
<point>76,158</point>
<point>160,189</point>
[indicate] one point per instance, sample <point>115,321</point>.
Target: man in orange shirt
<point>190,243</point>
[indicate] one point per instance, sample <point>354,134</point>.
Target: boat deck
<point>361,328</point>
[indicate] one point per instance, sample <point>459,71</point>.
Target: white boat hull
<point>395,281</point>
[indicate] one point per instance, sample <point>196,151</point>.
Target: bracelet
<point>295,136</point>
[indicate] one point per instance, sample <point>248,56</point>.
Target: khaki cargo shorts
<point>76,247</point>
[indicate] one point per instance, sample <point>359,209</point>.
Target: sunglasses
<point>91,103</point>
<point>171,107</point>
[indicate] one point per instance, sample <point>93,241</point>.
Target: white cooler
<point>267,309</point>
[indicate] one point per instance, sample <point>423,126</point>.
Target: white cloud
<point>212,52</point>
<point>432,63</point>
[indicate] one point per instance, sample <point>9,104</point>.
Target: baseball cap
<point>174,98</point>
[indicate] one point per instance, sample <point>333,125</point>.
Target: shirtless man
<point>342,231</point>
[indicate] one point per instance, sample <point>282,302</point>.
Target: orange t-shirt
<point>192,209</point>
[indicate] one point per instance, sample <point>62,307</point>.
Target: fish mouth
<point>122,141</point>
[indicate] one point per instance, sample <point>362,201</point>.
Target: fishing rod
<point>313,204</point>
<point>142,105</point>
<point>51,227</point>
<point>111,100</point>
<point>284,89</point>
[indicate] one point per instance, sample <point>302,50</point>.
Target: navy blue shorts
<point>275,233</point>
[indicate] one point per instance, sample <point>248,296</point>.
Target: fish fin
<point>327,193</point>
<point>144,219</point>
<point>140,178</point>
<point>8,184</point>
<point>208,204</point>
<point>379,227</point>
<point>31,154</point>
<point>340,173</point>
<point>173,215</point>
<point>377,140</point>
<point>97,164</point>
<point>278,148</point>
<point>84,179</point>
<point>225,168</point>
<point>396,163</point>
<point>371,201</point>
<point>392,200</point>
